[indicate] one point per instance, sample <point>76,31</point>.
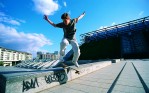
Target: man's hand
<point>49,21</point>
<point>45,17</point>
<point>84,13</point>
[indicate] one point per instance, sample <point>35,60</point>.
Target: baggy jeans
<point>75,48</point>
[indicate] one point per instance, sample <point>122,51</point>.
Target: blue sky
<point>23,28</point>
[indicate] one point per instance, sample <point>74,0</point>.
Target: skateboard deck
<point>66,66</point>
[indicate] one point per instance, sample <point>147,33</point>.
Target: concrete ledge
<point>86,69</point>
<point>37,80</point>
<point>115,60</point>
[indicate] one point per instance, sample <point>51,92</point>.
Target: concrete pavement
<point>128,76</point>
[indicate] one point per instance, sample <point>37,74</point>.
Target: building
<point>52,56</point>
<point>9,57</point>
<point>128,40</point>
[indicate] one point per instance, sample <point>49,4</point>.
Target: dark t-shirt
<point>69,30</point>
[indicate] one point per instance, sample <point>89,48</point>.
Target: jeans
<point>75,48</point>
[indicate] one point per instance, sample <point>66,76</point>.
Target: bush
<point>1,63</point>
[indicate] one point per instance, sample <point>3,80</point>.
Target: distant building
<point>56,52</point>
<point>52,56</point>
<point>9,57</point>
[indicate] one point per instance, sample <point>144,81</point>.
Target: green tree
<point>1,63</point>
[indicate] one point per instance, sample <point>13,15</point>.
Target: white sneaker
<point>75,63</point>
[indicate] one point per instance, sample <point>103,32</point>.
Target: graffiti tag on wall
<point>29,84</point>
<point>33,83</point>
<point>58,77</point>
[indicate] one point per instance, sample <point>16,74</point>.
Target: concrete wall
<point>116,60</point>
<point>38,80</point>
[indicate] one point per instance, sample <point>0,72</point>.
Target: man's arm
<point>49,21</point>
<point>80,17</point>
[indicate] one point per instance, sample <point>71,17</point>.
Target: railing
<point>116,30</point>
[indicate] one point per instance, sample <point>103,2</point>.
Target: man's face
<point>66,21</point>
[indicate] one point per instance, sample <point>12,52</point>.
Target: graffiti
<point>33,83</point>
<point>29,84</point>
<point>57,77</point>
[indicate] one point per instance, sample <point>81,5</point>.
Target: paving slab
<point>121,77</point>
<point>96,82</point>
<point>129,81</point>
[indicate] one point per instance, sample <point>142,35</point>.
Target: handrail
<point>116,27</point>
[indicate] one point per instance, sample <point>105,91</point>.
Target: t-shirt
<point>69,30</point>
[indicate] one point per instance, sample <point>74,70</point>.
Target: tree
<point>1,63</point>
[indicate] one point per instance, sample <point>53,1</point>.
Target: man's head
<point>66,19</point>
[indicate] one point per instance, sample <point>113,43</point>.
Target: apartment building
<point>9,57</point>
<point>52,56</point>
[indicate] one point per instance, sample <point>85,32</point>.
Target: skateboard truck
<point>76,71</point>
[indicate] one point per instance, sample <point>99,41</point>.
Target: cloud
<point>28,42</point>
<point>47,7</point>
<point>113,24</point>
<point>9,20</point>
<point>141,13</point>
<point>101,27</point>
<point>2,14</point>
<point>65,4</point>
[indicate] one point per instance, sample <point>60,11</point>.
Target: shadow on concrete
<point>2,84</point>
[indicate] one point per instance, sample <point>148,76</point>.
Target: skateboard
<point>66,66</point>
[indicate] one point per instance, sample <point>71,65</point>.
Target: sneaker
<point>75,63</point>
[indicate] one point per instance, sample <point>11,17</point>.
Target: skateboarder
<point>69,29</point>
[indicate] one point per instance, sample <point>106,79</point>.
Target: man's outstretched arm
<point>49,21</point>
<point>80,17</point>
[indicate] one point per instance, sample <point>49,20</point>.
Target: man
<point>69,29</point>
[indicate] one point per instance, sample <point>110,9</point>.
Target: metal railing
<point>116,30</point>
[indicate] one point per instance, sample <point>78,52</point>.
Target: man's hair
<point>65,16</point>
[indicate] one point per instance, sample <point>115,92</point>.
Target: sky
<point>23,28</point>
